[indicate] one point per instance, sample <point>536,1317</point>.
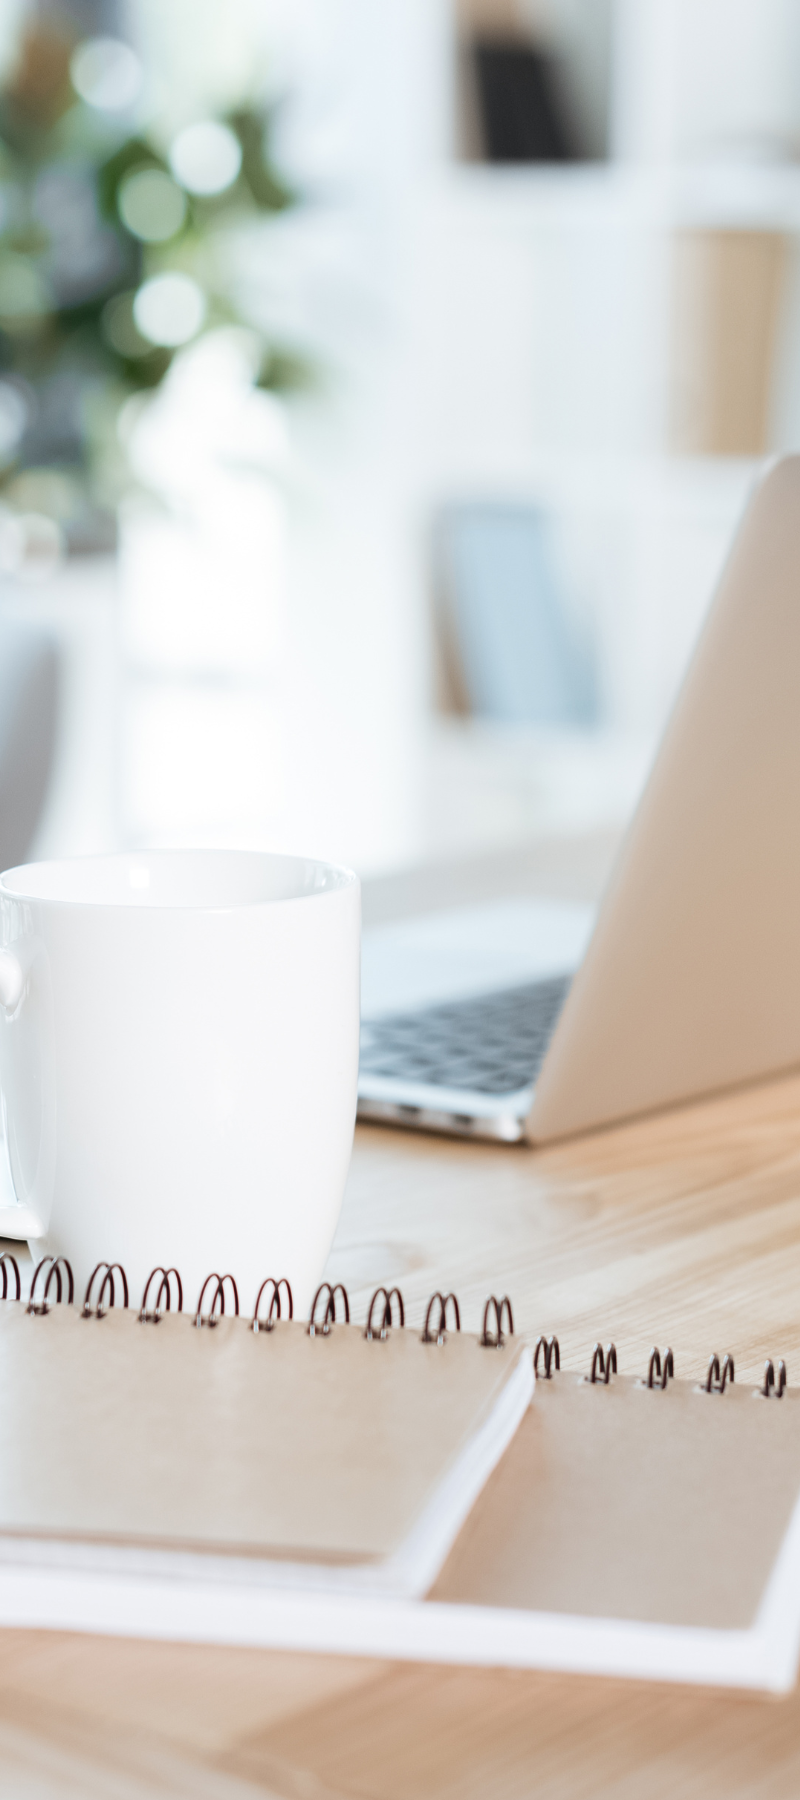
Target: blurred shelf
<point>680,486</point>
<point>488,786</point>
<point>725,196</point>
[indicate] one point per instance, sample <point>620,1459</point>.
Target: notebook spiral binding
<point>551,1356</point>
<point>386,1316</point>
<point>107,1282</point>
<point>274,1313</point>
<point>715,1382</point>
<point>603,1365</point>
<point>770,1384</point>
<point>55,1273</point>
<point>501,1309</point>
<point>273,1296</point>
<point>213,1317</point>
<point>656,1375</point>
<point>7,1261</point>
<point>56,1264</point>
<point>439,1334</point>
<point>164,1288</point>
<point>329,1315</point>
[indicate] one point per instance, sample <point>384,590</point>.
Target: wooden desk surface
<point>684,1229</point>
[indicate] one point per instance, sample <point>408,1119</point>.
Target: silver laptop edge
<point>691,981</point>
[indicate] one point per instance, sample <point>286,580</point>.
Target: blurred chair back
<point>28,720</point>
<point>506,636</point>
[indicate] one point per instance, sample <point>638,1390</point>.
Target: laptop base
<point>503,1128</point>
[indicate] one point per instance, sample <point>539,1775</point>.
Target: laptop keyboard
<point>492,1045</point>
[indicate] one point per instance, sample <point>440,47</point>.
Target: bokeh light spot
<point>106,74</point>
<point>14,415</point>
<point>120,330</point>
<point>206,158</point>
<point>24,296</point>
<point>170,309</point>
<point>151,205</point>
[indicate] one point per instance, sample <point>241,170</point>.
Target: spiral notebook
<point>635,1529</point>
<point>322,1454</point>
<point>295,1486</point>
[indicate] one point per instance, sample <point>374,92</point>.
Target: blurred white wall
<point>299,729</point>
<point>700,78</point>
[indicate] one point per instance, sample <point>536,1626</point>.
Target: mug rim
<point>331,878</point>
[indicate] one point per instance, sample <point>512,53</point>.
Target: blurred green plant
<point>112,255</point>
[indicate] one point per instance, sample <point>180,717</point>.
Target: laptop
<point>536,1021</point>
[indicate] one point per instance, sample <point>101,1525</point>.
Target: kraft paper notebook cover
<point>637,1531</point>
<point>275,1456</point>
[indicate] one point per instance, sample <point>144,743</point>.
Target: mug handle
<point>16,1221</point>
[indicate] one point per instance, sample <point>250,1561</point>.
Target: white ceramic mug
<point>178,1063</point>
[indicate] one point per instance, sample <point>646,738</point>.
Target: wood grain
<point>683,1229</point>
<point>445,1734</point>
